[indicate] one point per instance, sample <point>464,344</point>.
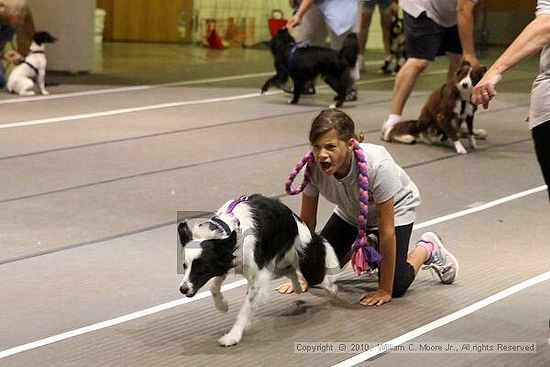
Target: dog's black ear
<point>184,233</point>
<point>477,73</point>
<point>43,37</point>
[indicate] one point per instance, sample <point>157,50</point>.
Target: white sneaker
<point>385,132</point>
<point>441,261</point>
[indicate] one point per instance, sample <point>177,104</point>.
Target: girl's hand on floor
<point>375,298</point>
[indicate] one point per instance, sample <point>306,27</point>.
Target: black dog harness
<point>295,46</point>
<point>34,68</point>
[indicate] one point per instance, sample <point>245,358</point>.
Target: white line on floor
<point>145,87</point>
<point>384,347</point>
<point>128,110</point>
<point>199,296</point>
<point>115,321</point>
<point>164,105</point>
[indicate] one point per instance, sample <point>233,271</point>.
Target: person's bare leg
<point>402,88</point>
<point>417,257</point>
<point>404,83</point>
<point>385,23</point>
<point>366,18</point>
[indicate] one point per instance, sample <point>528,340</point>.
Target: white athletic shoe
<point>441,261</point>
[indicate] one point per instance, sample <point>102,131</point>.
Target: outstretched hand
<point>12,56</point>
<point>294,21</point>
<point>375,298</point>
<point>485,90</point>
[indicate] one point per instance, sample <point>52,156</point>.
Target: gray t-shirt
<point>540,93</point>
<point>443,12</point>
<point>386,180</point>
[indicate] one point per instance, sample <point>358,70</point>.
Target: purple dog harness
<point>220,224</point>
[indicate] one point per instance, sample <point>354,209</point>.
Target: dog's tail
<point>350,49</point>
<point>403,132</point>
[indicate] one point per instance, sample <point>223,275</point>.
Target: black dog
<point>304,63</point>
<point>397,46</point>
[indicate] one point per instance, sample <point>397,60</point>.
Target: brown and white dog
<point>444,112</point>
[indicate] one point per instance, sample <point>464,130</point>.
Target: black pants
<point>341,235</point>
<point>541,137</point>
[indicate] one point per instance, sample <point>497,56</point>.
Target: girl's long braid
<point>362,167</point>
<point>307,160</point>
<point>364,255</point>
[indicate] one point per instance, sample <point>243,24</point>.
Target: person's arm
<point>308,212</point>
<point>465,23</point>
<point>12,56</point>
<point>387,241</point>
<point>531,40</point>
<point>297,18</point>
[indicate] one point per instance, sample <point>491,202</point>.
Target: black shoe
<point>385,69</point>
<point>309,89</point>
<point>352,95</point>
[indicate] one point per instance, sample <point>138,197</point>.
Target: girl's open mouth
<point>325,165</point>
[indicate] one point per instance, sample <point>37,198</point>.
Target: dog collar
<point>220,224</point>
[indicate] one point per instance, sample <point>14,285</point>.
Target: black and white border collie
<point>261,239</point>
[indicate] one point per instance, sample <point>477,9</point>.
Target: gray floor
<point>91,184</point>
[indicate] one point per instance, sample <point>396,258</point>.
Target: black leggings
<point>541,137</point>
<point>341,235</point>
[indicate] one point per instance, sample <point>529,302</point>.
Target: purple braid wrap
<point>364,255</point>
<point>306,160</point>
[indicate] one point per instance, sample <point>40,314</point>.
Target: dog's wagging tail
<point>261,239</point>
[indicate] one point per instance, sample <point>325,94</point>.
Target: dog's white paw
<point>221,305</point>
<point>45,93</point>
<point>332,105</point>
<point>28,93</point>
<point>228,340</point>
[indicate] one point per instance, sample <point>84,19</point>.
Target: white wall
<point>72,22</point>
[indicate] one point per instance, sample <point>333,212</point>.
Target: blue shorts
<point>381,3</point>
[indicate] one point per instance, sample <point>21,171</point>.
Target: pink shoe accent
<point>428,246</point>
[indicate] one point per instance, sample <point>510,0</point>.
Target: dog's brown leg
<point>449,127</point>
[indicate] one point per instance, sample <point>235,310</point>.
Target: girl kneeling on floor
<point>375,209</point>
